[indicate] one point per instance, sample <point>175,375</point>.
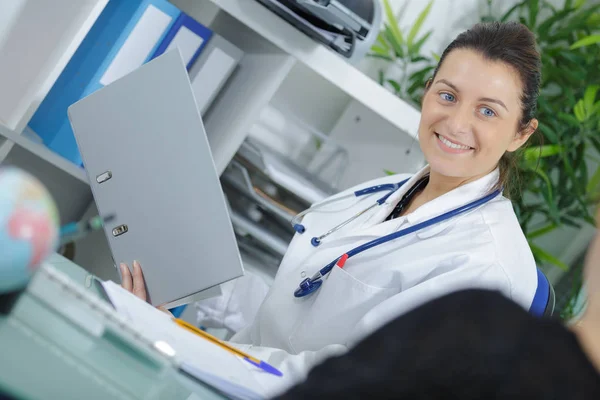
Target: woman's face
<point>470,116</point>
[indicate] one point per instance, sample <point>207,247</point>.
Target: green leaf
<point>595,142</point>
<point>418,23</point>
<point>435,56</point>
<point>507,15</point>
<point>593,185</point>
<point>395,85</point>
<point>381,51</point>
<point>392,23</point>
<point>386,58</point>
<point>388,172</point>
<point>543,175</point>
<point>534,6</point>
<point>396,45</point>
<point>533,154</point>
<point>420,74</point>
<point>545,26</point>
<point>586,41</point>
<point>548,132</point>
<point>579,111</point>
<point>415,48</point>
<point>578,3</point>
<point>589,97</point>
<point>418,59</point>
<point>543,255</point>
<point>542,231</point>
<point>380,77</point>
<point>381,41</point>
<point>569,119</point>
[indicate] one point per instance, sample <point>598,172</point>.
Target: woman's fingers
<point>139,286</point>
<point>126,279</point>
<point>134,284</point>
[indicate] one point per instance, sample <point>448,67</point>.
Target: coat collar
<point>449,201</point>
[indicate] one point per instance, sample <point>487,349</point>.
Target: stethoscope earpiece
<point>299,228</point>
<point>315,241</point>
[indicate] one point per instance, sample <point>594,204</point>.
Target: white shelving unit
<point>323,61</point>
<point>273,50</point>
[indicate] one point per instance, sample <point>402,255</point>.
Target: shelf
<point>259,74</point>
<point>42,152</point>
<point>324,62</point>
<point>38,41</point>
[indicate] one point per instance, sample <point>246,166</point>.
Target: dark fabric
<point>407,198</point>
<point>473,344</point>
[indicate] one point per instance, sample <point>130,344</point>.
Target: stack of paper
<point>198,357</point>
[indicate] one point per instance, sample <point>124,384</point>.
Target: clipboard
<point>149,164</point>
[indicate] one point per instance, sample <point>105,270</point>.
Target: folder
<point>125,36</point>
<point>212,70</point>
<point>188,35</point>
<point>150,166</point>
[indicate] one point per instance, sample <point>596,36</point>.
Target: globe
<point>29,227</point>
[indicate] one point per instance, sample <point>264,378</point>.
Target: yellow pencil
<point>254,361</point>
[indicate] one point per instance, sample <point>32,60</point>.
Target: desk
<point>46,356</point>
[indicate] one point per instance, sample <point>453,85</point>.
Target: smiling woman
<point>481,102</point>
<point>391,244</point>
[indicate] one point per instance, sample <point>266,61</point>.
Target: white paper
<point>211,76</point>
<point>198,354</point>
<point>187,42</point>
<point>141,41</point>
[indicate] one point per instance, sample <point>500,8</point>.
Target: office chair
<point>544,300</point>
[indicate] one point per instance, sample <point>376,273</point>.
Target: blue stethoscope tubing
<point>315,241</point>
<point>310,285</point>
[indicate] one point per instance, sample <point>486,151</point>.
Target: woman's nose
<point>460,120</point>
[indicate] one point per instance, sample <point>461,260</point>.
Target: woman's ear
<point>523,136</point>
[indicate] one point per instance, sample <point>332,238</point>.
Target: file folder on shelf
<point>210,72</point>
<point>125,36</point>
<point>188,35</point>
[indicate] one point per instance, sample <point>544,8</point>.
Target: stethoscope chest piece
<point>307,286</point>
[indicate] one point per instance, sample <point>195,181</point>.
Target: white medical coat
<point>483,248</point>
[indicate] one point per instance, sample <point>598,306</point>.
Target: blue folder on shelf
<point>188,35</point>
<point>126,35</point>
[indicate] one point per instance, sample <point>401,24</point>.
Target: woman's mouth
<point>450,146</point>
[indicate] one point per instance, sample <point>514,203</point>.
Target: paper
<point>140,42</point>
<point>210,77</point>
<point>200,358</point>
<point>187,42</point>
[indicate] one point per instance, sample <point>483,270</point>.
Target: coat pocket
<point>342,301</point>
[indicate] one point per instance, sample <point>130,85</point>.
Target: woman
<point>489,349</point>
<point>478,110</point>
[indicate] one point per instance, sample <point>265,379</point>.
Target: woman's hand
<point>135,284</point>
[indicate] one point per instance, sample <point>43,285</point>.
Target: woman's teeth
<point>452,145</point>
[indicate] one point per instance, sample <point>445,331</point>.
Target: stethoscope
<point>310,285</point>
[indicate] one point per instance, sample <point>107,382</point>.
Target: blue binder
<point>201,33</point>
<point>127,33</point>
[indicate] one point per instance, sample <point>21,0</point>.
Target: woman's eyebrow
<point>487,99</point>
<point>490,100</point>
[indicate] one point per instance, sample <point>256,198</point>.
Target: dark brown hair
<point>514,44</point>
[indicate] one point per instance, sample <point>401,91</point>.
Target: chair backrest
<point>544,300</point>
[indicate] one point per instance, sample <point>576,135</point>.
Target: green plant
<point>560,172</point>
<point>404,51</point>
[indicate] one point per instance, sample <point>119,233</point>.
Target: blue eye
<point>447,96</point>
<point>487,112</point>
